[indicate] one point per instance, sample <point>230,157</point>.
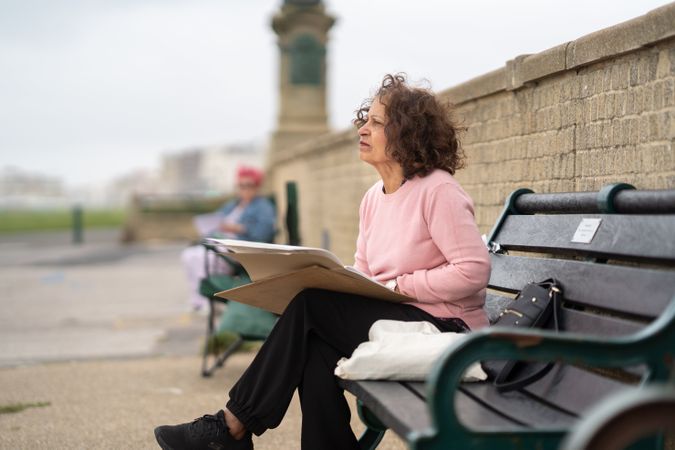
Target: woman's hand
<point>229,227</point>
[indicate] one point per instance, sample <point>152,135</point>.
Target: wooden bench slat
<point>401,406</point>
<point>517,405</point>
<point>572,320</point>
<point>595,325</point>
<point>572,389</point>
<point>619,236</point>
<point>394,404</point>
<point>472,413</point>
<point>598,287</point>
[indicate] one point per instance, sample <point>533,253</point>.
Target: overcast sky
<point>91,89</point>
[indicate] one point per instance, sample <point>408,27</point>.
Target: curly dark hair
<point>421,132</point>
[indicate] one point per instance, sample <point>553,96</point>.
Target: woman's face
<point>372,140</point>
<point>247,188</point>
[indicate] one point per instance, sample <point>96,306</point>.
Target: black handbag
<point>536,306</point>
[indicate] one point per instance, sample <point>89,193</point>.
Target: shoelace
<point>208,425</point>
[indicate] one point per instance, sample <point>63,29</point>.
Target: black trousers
<point>316,329</point>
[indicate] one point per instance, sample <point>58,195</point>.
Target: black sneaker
<point>208,433</point>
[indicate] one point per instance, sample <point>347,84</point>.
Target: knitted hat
<point>255,174</point>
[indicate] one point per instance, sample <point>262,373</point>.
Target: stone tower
<point>302,28</point>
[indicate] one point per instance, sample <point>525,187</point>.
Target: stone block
<point>638,99</point>
<point>643,129</point>
<point>660,126</point>
<point>533,67</point>
<point>656,158</point>
<point>593,130</point>
<point>567,163</point>
<point>580,163</point>
<point>622,38</point>
<point>620,104</point>
<point>609,105</point>
<point>664,66</point>
<point>650,97</point>
<point>585,86</point>
<point>605,81</point>
<point>648,68</point>
<point>548,119</point>
<point>566,85</point>
<point>633,130</point>
<point>668,92</point>
<point>593,109</point>
<point>566,139</point>
<point>631,108</point>
<point>568,114</point>
<point>620,76</point>
<point>582,136</point>
<point>581,110</point>
<point>619,133</point>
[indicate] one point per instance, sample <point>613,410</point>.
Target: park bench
<point>617,317</point>
<point>246,322</point>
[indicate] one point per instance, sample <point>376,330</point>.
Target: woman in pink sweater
<point>417,235</point>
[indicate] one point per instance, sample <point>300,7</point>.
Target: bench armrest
<point>644,347</point>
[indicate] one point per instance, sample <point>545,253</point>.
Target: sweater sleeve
<point>450,218</point>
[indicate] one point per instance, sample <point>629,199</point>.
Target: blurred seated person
<point>249,217</point>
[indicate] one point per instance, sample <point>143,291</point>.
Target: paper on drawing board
<point>263,260</point>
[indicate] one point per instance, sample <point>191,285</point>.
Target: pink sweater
<point>424,235</point>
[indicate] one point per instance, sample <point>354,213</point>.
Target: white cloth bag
<point>399,350</point>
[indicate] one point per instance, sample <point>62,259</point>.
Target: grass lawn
<point>62,219</point>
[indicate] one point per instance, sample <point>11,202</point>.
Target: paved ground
<point>101,332</point>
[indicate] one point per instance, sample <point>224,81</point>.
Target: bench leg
<point>375,430</point>
<point>207,370</point>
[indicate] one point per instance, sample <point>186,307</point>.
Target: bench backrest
<point>614,284</point>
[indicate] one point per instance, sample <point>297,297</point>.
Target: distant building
<point>119,191</point>
<point>207,170</point>
<point>23,189</point>
<point>179,172</point>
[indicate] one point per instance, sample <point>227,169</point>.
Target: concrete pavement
<point>99,299</point>
<point>102,333</point>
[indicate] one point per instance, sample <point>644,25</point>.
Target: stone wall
<point>596,110</point>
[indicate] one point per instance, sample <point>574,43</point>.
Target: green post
<point>77,224</point>
<point>292,215</point>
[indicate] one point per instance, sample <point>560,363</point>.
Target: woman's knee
<point>306,301</point>
<point>191,255</point>
<point>298,302</point>
<point>320,303</point>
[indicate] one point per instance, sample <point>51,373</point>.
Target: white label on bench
<point>586,230</point>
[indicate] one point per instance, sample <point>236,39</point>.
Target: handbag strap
<point>500,381</point>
